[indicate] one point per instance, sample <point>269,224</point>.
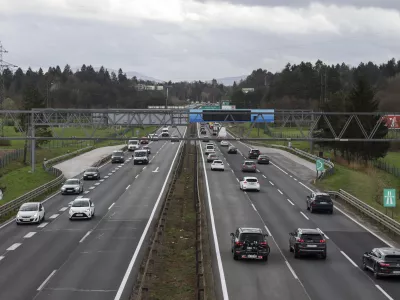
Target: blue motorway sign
<point>256,115</point>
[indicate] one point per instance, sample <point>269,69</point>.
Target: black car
<point>174,138</point>
<point>384,262</point>
<point>91,173</point>
<point>254,153</point>
<point>203,131</point>
<point>249,243</point>
<point>232,150</point>
<point>165,134</point>
<point>319,202</point>
<point>263,159</point>
<point>118,157</point>
<point>307,241</point>
<point>206,139</point>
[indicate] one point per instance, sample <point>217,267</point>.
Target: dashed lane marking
<point>290,202</point>
<point>14,246</point>
<point>304,215</point>
<point>86,192</point>
<point>97,183</point>
<point>29,235</point>
<point>54,216</point>
<point>271,183</point>
<point>92,188</point>
<point>280,191</point>
<point>43,225</point>
<point>101,180</point>
<point>63,208</point>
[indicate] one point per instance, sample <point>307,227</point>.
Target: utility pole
<point>3,66</point>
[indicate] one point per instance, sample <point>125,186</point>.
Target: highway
<point>280,208</point>
<point>94,259</point>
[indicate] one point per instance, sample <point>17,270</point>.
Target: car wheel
<point>290,249</point>
<point>323,255</point>
<point>364,264</point>
<point>235,257</point>
<point>212,169</point>
<point>18,223</point>
<point>296,253</point>
<point>376,274</point>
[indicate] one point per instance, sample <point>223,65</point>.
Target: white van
<point>165,129</point>
<point>209,149</point>
<point>133,145</point>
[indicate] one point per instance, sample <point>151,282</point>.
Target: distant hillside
<point>129,74</point>
<point>228,81</point>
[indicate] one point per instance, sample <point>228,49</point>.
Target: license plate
<point>252,256</point>
<point>396,272</point>
<point>79,215</point>
<point>249,248</point>
<point>311,246</point>
<point>89,176</point>
<point>323,203</point>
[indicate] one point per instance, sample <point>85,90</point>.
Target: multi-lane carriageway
<point>280,208</point>
<point>99,259</point>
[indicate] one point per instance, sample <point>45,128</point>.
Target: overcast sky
<point>187,40</point>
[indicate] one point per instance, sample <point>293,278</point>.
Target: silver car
<point>72,186</point>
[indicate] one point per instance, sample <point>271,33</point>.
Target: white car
<point>249,183</point>
<point>133,145</point>
<point>209,149</point>
<point>224,144</point>
<point>81,208</point>
<point>31,212</point>
<point>217,165</point>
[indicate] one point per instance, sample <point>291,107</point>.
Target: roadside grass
<point>393,158</point>
<point>16,178</point>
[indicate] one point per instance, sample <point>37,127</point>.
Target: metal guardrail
<point>10,207</point>
<point>368,210</point>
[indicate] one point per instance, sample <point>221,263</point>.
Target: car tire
<point>324,255</point>
<point>308,208</point>
<point>376,275</point>
<point>212,169</point>
<point>235,257</point>
<point>296,253</point>
<point>311,210</point>
<point>290,249</point>
<point>18,223</point>
<point>364,265</point>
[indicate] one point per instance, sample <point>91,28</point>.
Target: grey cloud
<point>167,51</point>
<point>386,4</point>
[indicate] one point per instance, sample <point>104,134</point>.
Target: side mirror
<point>92,205</point>
<point>232,234</point>
<point>366,253</point>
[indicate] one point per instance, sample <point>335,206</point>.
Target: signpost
<point>320,166</point>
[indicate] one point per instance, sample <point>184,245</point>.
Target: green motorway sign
<point>209,107</point>
<point>389,198</point>
<point>320,165</point>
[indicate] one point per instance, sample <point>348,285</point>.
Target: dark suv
<point>250,243</point>
<point>319,202</point>
<point>263,159</point>
<point>232,150</point>
<point>91,173</point>
<point>254,153</point>
<point>307,241</point>
<point>118,156</point>
<point>382,261</point>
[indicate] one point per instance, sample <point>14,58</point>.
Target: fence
<point>382,219</point>
<point>384,166</point>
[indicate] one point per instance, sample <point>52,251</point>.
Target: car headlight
<point>63,188</point>
<point>77,188</point>
<point>35,215</point>
<point>87,210</point>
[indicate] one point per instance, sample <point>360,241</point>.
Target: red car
<point>144,141</point>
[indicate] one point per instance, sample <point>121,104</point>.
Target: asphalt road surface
<point>89,259</point>
<point>280,208</point>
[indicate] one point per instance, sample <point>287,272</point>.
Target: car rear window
<point>251,237</point>
<point>217,162</point>
<point>263,156</point>
<point>252,180</point>
<point>210,147</point>
<point>311,236</point>
<point>249,163</point>
<point>323,198</point>
<point>118,153</point>
<point>395,258</point>
<point>255,151</point>
<point>140,153</point>
<point>91,170</point>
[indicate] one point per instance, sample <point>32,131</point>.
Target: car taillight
<point>244,181</point>
<point>239,244</point>
<point>384,265</point>
<point>254,167</point>
<point>263,243</point>
<point>313,203</point>
<point>300,241</point>
<point>322,241</point>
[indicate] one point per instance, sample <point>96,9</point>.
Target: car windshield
<point>323,198</point>
<point>140,154</point>
<point>29,207</point>
<point>248,163</point>
<point>133,142</point>
<point>118,153</point>
<point>255,151</point>
<point>80,203</point>
<point>252,180</point>
<point>217,161</point>
<point>311,236</point>
<point>72,181</point>
<point>213,155</point>
<point>251,237</point>
<point>91,170</point>
<point>392,258</point>
<point>263,156</point>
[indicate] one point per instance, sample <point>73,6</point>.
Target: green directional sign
<point>209,107</point>
<point>225,102</point>
<point>389,198</point>
<point>320,165</point>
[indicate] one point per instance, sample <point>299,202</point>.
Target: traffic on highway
<point>273,235</point>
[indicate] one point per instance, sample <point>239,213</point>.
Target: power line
<point>3,65</point>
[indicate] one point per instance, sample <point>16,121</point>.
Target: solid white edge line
<point>349,259</point>
<point>136,176</point>
<point>46,280</point>
<point>13,246</point>
<point>271,183</point>
<point>2,257</point>
<point>266,228</point>
<point>254,207</point>
<point>383,292</point>
<point>224,288</point>
<point>29,235</point>
<point>111,205</point>
<point>237,179</point>
<point>85,236</point>
<point>127,187</point>
<point>290,201</point>
<point>304,215</point>
<point>306,186</point>
<point>291,270</point>
<point>146,229</point>
<point>280,191</point>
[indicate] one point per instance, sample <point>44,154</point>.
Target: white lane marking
<point>290,176</point>
<point>323,233</point>
<point>109,174</point>
<point>227,163</point>
<point>383,292</point>
<point>232,171</point>
<point>304,215</point>
<point>291,270</point>
<point>92,187</point>
<point>269,232</point>
<point>14,246</point>
<point>295,179</point>
<point>264,176</point>
<point>46,280</point>
<point>29,235</point>
<point>306,186</point>
<point>254,207</point>
<point>101,180</point>
<point>279,168</point>
<point>258,170</point>
<point>86,192</point>
<point>63,208</point>
<point>290,202</point>
<point>97,183</point>
<point>1,257</point>
<point>271,183</point>
<point>136,176</point>
<point>237,179</point>
<point>349,259</point>
<point>113,171</point>
<point>85,236</point>
<point>156,170</point>
<point>146,229</point>
<point>111,205</point>
<point>214,233</point>
<point>106,177</point>
<point>280,191</point>
<point>54,216</point>
<point>144,168</point>
<point>43,225</point>
<point>127,187</point>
